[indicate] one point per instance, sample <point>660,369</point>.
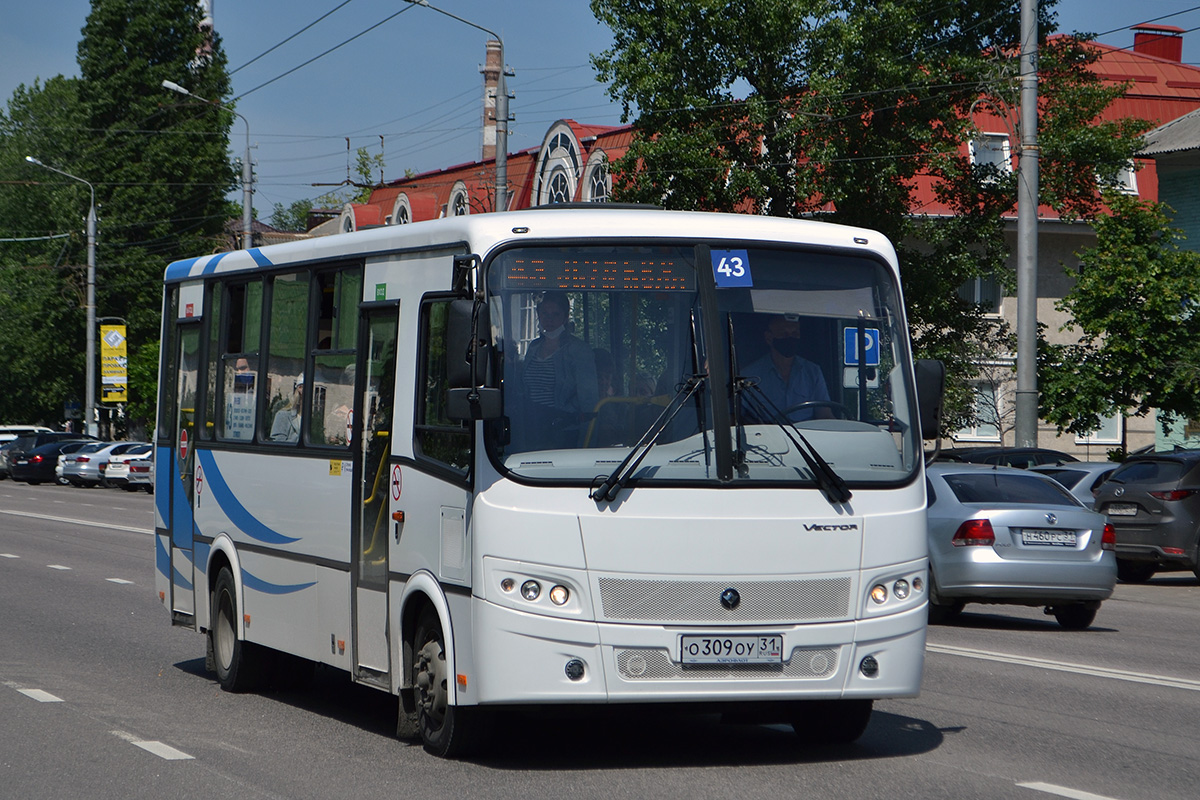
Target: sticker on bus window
<point>731,268</point>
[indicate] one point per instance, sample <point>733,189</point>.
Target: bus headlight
<point>559,595</point>
<point>530,590</point>
<point>900,588</point>
<point>879,593</point>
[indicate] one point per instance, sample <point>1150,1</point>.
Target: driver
<point>784,377</point>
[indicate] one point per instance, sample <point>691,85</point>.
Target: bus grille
<point>700,601</point>
<point>654,664</point>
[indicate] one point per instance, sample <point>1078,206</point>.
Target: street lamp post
<point>501,110</point>
<point>89,402</point>
<point>247,170</point>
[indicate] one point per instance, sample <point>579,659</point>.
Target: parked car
<point>64,454</point>
<point>116,473</point>
<point>141,474</point>
<point>1021,457</point>
<point>4,459</point>
<point>87,466</point>
<point>23,444</point>
<point>37,466</point>
<point>10,432</point>
<point>1011,536</point>
<point>1081,478</point>
<point>1153,501</point>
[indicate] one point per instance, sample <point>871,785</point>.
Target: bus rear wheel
<point>447,731</point>
<point>239,664</point>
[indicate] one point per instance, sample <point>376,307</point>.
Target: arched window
<point>598,186</point>
<point>460,201</point>
<point>559,167</point>
<point>401,211</point>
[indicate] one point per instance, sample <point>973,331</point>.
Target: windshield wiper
<point>828,481</point>
<point>607,491</point>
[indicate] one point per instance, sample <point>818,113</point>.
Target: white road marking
<point>163,751</point>
<point>57,566</point>
<point>1063,791</point>
<point>87,522</point>
<point>1066,666</point>
<point>8,555</point>
<point>40,696</point>
<point>121,581</point>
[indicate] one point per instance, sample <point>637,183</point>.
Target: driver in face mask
<point>786,378</point>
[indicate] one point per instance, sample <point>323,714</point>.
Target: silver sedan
<point>1009,536</point>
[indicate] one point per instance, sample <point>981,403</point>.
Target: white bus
<point>556,456</point>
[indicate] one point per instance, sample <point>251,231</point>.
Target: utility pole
<point>1027,244</point>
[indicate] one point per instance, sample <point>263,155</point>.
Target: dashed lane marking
<point>8,555</point>
<point>58,566</point>
<point>121,581</point>
<point>34,694</point>
<point>1063,791</point>
<point>163,751</point>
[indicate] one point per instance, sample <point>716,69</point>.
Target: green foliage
<point>1134,306</point>
<point>843,110</point>
<point>292,217</point>
<point>159,165</point>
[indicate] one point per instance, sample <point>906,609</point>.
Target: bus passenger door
<point>183,460</point>
<point>373,411</point>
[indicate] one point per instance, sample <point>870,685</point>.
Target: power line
<point>293,36</point>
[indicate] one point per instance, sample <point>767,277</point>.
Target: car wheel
<point>447,731</point>
<point>1135,571</point>
<point>239,664</point>
<point>940,611</point>
<point>129,488</point>
<point>1075,617</point>
<point>34,483</point>
<point>830,722</point>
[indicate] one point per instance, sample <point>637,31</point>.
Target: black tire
<point>1076,617</point>
<point>1135,571</point>
<point>34,483</point>
<point>129,488</point>
<point>941,611</point>
<point>447,731</point>
<point>822,723</point>
<point>239,664</point>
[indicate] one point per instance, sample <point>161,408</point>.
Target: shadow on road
<point>603,738</point>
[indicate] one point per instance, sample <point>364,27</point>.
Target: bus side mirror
<point>931,389</point>
<point>468,356</point>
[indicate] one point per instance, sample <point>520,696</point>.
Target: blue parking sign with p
<point>870,347</point>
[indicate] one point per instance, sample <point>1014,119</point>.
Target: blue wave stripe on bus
<point>181,581</point>
<point>162,500</point>
<point>162,559</point>
<point>181,269</point>
<point>211,266</point>
<point>259,585</point>
<point>233,509</point>
<point>259,258</point>
<point>181,521</point>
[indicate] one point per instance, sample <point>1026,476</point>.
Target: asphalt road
<point>101,698</point>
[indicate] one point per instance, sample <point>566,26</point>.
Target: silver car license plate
<point>719,649</point>
<point>1121,510</point>
<point>1048,538</point>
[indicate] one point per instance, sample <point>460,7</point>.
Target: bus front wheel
<point>239,664</point>
<point>447,731</point>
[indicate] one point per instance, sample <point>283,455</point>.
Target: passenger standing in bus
<point>557,378</point>
<point>786,378</point>
<point>286,427</point>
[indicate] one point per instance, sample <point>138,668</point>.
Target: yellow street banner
<point>114,371</point>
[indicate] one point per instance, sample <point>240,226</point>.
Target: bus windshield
<point>603,347</point>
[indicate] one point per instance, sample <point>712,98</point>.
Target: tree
<point>160,169</point>
<point>294,217</point>
<point>841,111</point>
<point>1134,304</point>
<point>43,260</point>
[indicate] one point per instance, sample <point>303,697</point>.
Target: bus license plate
<point>716,649</point>
<point>1049,538</point>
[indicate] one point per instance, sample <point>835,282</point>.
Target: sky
<point>412,75</point>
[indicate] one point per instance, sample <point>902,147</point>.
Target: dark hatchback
<point>1020,457</point>
<point>1153,501</point>
<point>37,465</point>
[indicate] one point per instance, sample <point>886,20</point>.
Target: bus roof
<point>541,223</point>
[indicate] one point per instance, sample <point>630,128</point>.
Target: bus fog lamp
<point>574,669</point>
<point>508,584</point>
<point>901,589</point>
<point>879,593</point>
<point>918,585</point>
<point>559,595</point>
<point>869,667</point>
<point>531,590</point>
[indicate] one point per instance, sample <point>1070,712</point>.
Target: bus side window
<point>240,362</point>
<point>337,297</point>
<point>212,321</point>
<point>437,437</point>
<point>284,406</point>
